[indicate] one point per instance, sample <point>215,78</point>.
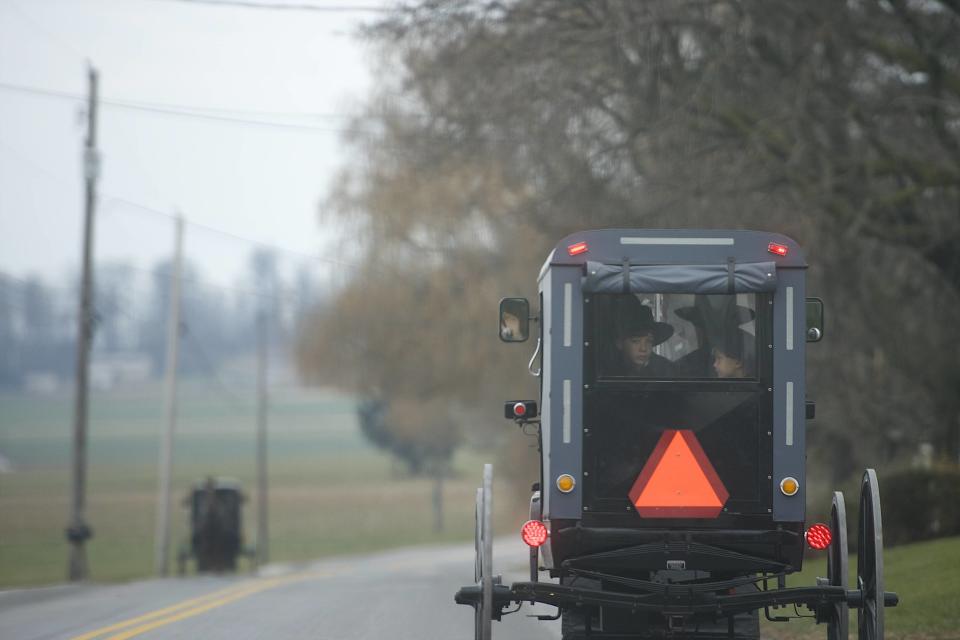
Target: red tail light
<point>578,248</point>
<point>519,409</point>
<point>778,249</point>
<point>534,533</point>
<point>819,536</point>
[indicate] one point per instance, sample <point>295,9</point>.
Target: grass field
<point>329,491</point>
<point>926,576</point>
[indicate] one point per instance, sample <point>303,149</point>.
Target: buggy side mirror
<point>814,308</point>
<point>514,319</point>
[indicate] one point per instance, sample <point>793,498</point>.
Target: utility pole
<point>162,536</point>
<point>262,545</point>
<point>77,529</point>
<point>438,472</point>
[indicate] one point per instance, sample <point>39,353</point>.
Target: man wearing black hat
<point>637,335</point>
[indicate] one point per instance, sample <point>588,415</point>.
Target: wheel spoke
<point>871,618</point>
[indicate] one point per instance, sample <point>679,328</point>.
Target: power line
<point>280,295</point>
<point>214,114</point>
<point>231,119</point>
<point>202,113</point>
<point>258,243</point>
<point>193,109</point>
<point>291,6</point>
<point>157,212</point>
<point>201,282</point>
<point>236,112</point>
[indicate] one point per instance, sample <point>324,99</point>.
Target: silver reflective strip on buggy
<point>566,412</point>
<point>677,241</point>
<point>567,314</point>
<point>789,318</point>
<point>789,414</point>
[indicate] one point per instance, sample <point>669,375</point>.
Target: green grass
<point>925,575</point>
<point>330,492</point>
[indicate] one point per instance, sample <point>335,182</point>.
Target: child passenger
<point>734,357</point>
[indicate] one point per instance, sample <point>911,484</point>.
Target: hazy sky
<point>260,182</point>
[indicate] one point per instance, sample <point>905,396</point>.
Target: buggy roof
<point>680,247</point>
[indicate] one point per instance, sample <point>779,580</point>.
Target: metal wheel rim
<point>838,567</point>
<point>870,560</point>
<point>477,519</point>
<point>478,562</point>
<point>483,565</point>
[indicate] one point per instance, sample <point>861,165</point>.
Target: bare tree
<point>502,126</point>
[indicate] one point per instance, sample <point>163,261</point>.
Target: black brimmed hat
<point>738,345</point>
<point>694,315</point>
<point>636,319</point>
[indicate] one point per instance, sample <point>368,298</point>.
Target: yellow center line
<point>193,607</point>
<point>162,612</point>
<point>189,613</point>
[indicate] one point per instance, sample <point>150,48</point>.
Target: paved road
<point>398,595</point>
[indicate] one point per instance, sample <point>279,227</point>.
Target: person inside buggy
<point>637,335</point>
<point>668,336</point>
<point>731,358</point>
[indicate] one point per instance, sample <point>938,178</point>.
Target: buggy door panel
<point>625,417</point>
<point>626,425</point>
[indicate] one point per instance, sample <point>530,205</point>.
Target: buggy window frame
<point>593,373</point>
<point>608,511</point>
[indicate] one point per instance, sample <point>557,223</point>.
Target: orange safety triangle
<point>678,480</point>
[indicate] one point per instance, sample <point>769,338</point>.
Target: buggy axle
<point>677,602</point>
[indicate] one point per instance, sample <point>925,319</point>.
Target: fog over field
<point>331,492</point>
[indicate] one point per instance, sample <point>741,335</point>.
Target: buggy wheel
<point>483,565</point>
<point>838,626</point>
<point>477,519</point>
<point>870,560</point>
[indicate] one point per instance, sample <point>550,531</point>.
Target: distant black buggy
<point>672,435</point>
<point>216,526</point>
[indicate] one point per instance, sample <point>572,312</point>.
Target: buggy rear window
<point>676,335</point>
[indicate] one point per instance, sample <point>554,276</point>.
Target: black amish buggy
<point>671,426</point>
<point>216,526</point>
